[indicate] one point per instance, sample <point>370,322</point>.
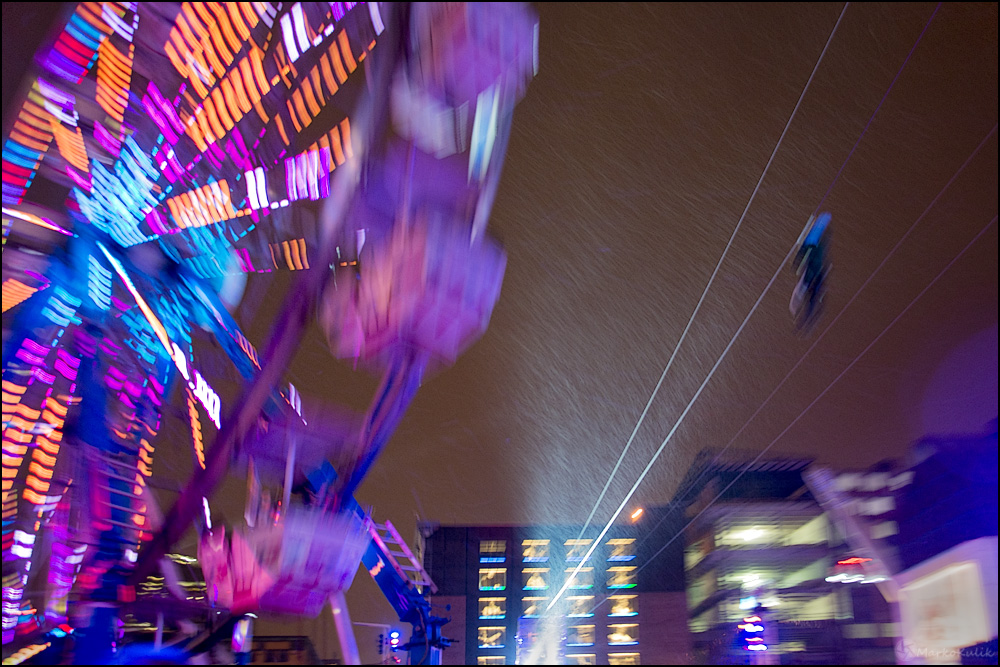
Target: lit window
<point>576,550</point>
<point>696,552</point>
<point>861,630</point>
<point>491,660</point>
<point>535,551</point>
<point>580,606</point>
<point>580,635</point>
<point>623,658</point>
<point>581,659</point>
<point>533,607</point>
<point>536,578</point>
<point>900,480</point>
<point>848,481</point>
<point>492,608</point>
<point>492,636</point>
<point>877,506</point>
<point>621,577</point>
<point>738,535</point>
<point>751,534</point>
<point>751,581</point>
<point>890,630</point>
<point>492,551</point>
<point>624,605</point>
<point>492,579</point>
<point>884,529</point>
<point>875,481</point>
<point>621,549</point>
<point>584,579</point>
<point>623,634</point>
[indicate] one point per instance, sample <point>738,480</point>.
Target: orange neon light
<point>41,471</point>
<point>12,387</point>
<point>855,560</point>
<point>38,485</point>
<point>345,48</point>
<point>45,459</point>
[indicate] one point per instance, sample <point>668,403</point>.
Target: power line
<point>788,375</point>
<point>704,293</point>
<point>815,212</point>
<point>829,387</point>
<point>753,309</point>
<point>863,285</point>
<point>884,97</point>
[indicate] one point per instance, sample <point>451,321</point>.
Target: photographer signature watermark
<point>912,650</point>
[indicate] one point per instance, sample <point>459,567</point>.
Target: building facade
<point>758,545</point>
<point>624,605</point>
<point>280,650</point>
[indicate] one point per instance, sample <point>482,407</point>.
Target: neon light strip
<point>35,220</point>
<point>205,394</point>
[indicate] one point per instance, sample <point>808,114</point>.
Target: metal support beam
<point>345,631</point>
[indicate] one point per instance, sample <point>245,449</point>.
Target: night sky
<point>632,159</point>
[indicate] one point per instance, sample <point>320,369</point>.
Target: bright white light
<point>208,513</point>
<point>751,534</point>
<point>289,39</point>
<point>376,18</point>
<point>24,538</point>
<point>20,551</point>
<point>252,190</point>
<point>298,20</point>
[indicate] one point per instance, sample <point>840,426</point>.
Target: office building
<point>759,544</point>
<point>621,607</point>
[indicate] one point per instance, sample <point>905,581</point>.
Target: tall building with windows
<point>623,606</point>
<point>936,529</point>
<point>758,543</point>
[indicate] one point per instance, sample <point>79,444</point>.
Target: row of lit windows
<point>578,606</point>
<point>542,578</point>
<point>618,634</point>
<point>537,551</point>
<point>571,659</point>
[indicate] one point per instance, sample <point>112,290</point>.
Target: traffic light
<point>751,633</point>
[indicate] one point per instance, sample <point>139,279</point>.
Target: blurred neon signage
<point>202,391</point>
<point>855,560</point>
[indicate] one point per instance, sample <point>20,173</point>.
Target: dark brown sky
<point>632,158</point>
<point>631,161</point>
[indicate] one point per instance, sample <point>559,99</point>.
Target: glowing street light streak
<point>205,394</point>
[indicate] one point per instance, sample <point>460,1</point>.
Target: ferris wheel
<point>160,154</point>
